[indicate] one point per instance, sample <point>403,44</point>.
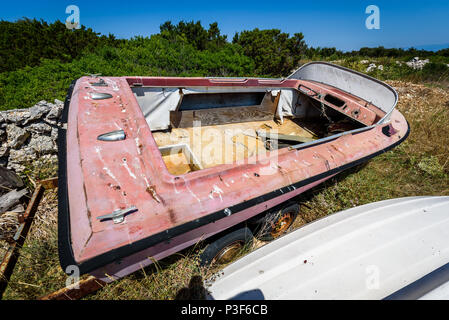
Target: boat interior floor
<point>195,148</point>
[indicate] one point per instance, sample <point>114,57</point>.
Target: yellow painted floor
<point>215,145</point>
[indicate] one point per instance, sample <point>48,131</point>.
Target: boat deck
<point>227,143</point>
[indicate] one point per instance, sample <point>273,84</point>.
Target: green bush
<point>435,71</point>
<point>274,53</point>
<point>155,56</point>
<point>25,42</point>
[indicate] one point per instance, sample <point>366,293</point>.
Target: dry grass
<point>419,166</point>
<point>37,271</point>
<point>9,222</point>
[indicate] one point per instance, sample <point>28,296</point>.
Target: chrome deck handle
<point>118,216</point>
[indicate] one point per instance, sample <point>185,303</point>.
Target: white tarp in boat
<point>156,103</point>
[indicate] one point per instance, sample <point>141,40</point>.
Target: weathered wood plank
<point>9,180</point>
<point>77,290</point>
<point>11,199</point>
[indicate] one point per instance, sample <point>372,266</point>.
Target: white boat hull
<point>368,252</point>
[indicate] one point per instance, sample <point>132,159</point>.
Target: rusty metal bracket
<point>77,290</point>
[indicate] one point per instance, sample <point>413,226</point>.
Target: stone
<point>39,127</point>
<point>48,158</point>
<point>54,134</point>
<point>371,67</point>
<point>55,112</point>
<point>4,150</point>
<point>28,136</point>
<point>16,136</point>
<point>38,111</point>
<point>42,144</point>
<point>17,116</point>
<point>417,64</point>
<point>18,158</point>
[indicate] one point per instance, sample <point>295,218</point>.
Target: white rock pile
<point>373,67</point>
<point>29,135</point>
<point>417,64</point>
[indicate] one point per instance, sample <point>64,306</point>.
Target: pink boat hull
<point>175,212</point>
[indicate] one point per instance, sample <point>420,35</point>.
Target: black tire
<point>276,222</point>
<point>235,241</point>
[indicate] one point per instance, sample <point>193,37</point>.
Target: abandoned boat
<point>152,165</point>
<point>392,249</point>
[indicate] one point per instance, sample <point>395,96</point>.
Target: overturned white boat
<point>393,249</point>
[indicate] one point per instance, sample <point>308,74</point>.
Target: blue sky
<point>324,23</point>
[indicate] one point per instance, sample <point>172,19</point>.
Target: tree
<point>195,34</point>
<point>275,53</point>
<point>215,39</point>
<point>25,42</point>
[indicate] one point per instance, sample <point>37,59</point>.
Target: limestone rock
<point>54,134</point>
<point>39,127</point>
<point>42,144</point>
<point>417,64</point>
<point>56,110</point>
<point>29,135</point>
<point>17,116</point>
<point>38,111</point>
<point>4,150</point>
<point>16,136</point>
<point>19,158</point>
<point>371,67</point>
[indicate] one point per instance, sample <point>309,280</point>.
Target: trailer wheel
<point>225,249</point>
<point>276,223</point>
